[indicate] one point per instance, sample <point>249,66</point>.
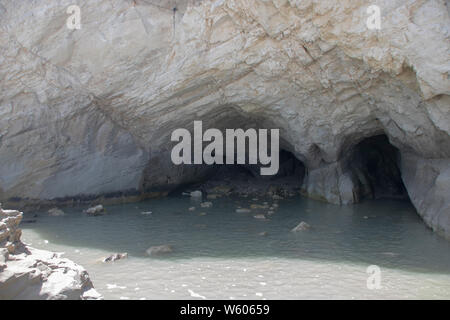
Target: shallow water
<point>221,255</point>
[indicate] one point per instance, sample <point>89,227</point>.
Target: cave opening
<point>245,179</point>
<point>375,164</point>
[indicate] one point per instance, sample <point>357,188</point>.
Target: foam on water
<point>223,255</point>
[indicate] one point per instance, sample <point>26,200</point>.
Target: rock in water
<point>96,211</point>
<point>157,250</point>
<point>28,273</point>
<point>206,204</point>
<point>115,256</point>
<point>259,216</point>
<point>258,206</point>
<point>55,212</point>
<point>243,210</point>
<point>29,221</point>
<point>301,227</point>
<point>196,194</point>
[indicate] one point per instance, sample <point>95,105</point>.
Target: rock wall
<point>90,111</point>
<point>28,273</point>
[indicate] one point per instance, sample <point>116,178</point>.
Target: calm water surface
<point>221,255</point>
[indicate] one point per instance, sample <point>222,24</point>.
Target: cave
<point>245,179</point>
<point>375,164</point>
<point>92,94</point>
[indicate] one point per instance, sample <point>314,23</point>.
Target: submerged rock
<point>243,210</point>
<point>302,226</point>
<point>28,273</point>
<point>29,221</point>
<point>157,250</point>
<point>263,234</point>
<point>258,206</point>
<point>115,257</point>
<point>95,211</point>
<point>55,212</point>
<point>260,216</point>
<point>191,209</point>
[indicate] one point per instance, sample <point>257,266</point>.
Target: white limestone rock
<point>28,273</point>
<point>428,185</point>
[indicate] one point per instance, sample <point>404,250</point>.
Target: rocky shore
<point>29,273</point>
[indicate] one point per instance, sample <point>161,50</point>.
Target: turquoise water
<point>221,254</point>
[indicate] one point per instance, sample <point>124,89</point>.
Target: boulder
<point>96,210</point>
<point>196,194</point>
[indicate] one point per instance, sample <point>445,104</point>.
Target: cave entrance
<point>245,179</point>
<point>375,163</point>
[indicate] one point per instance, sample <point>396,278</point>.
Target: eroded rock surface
<point>28,273</point>
<point>90,111</point>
